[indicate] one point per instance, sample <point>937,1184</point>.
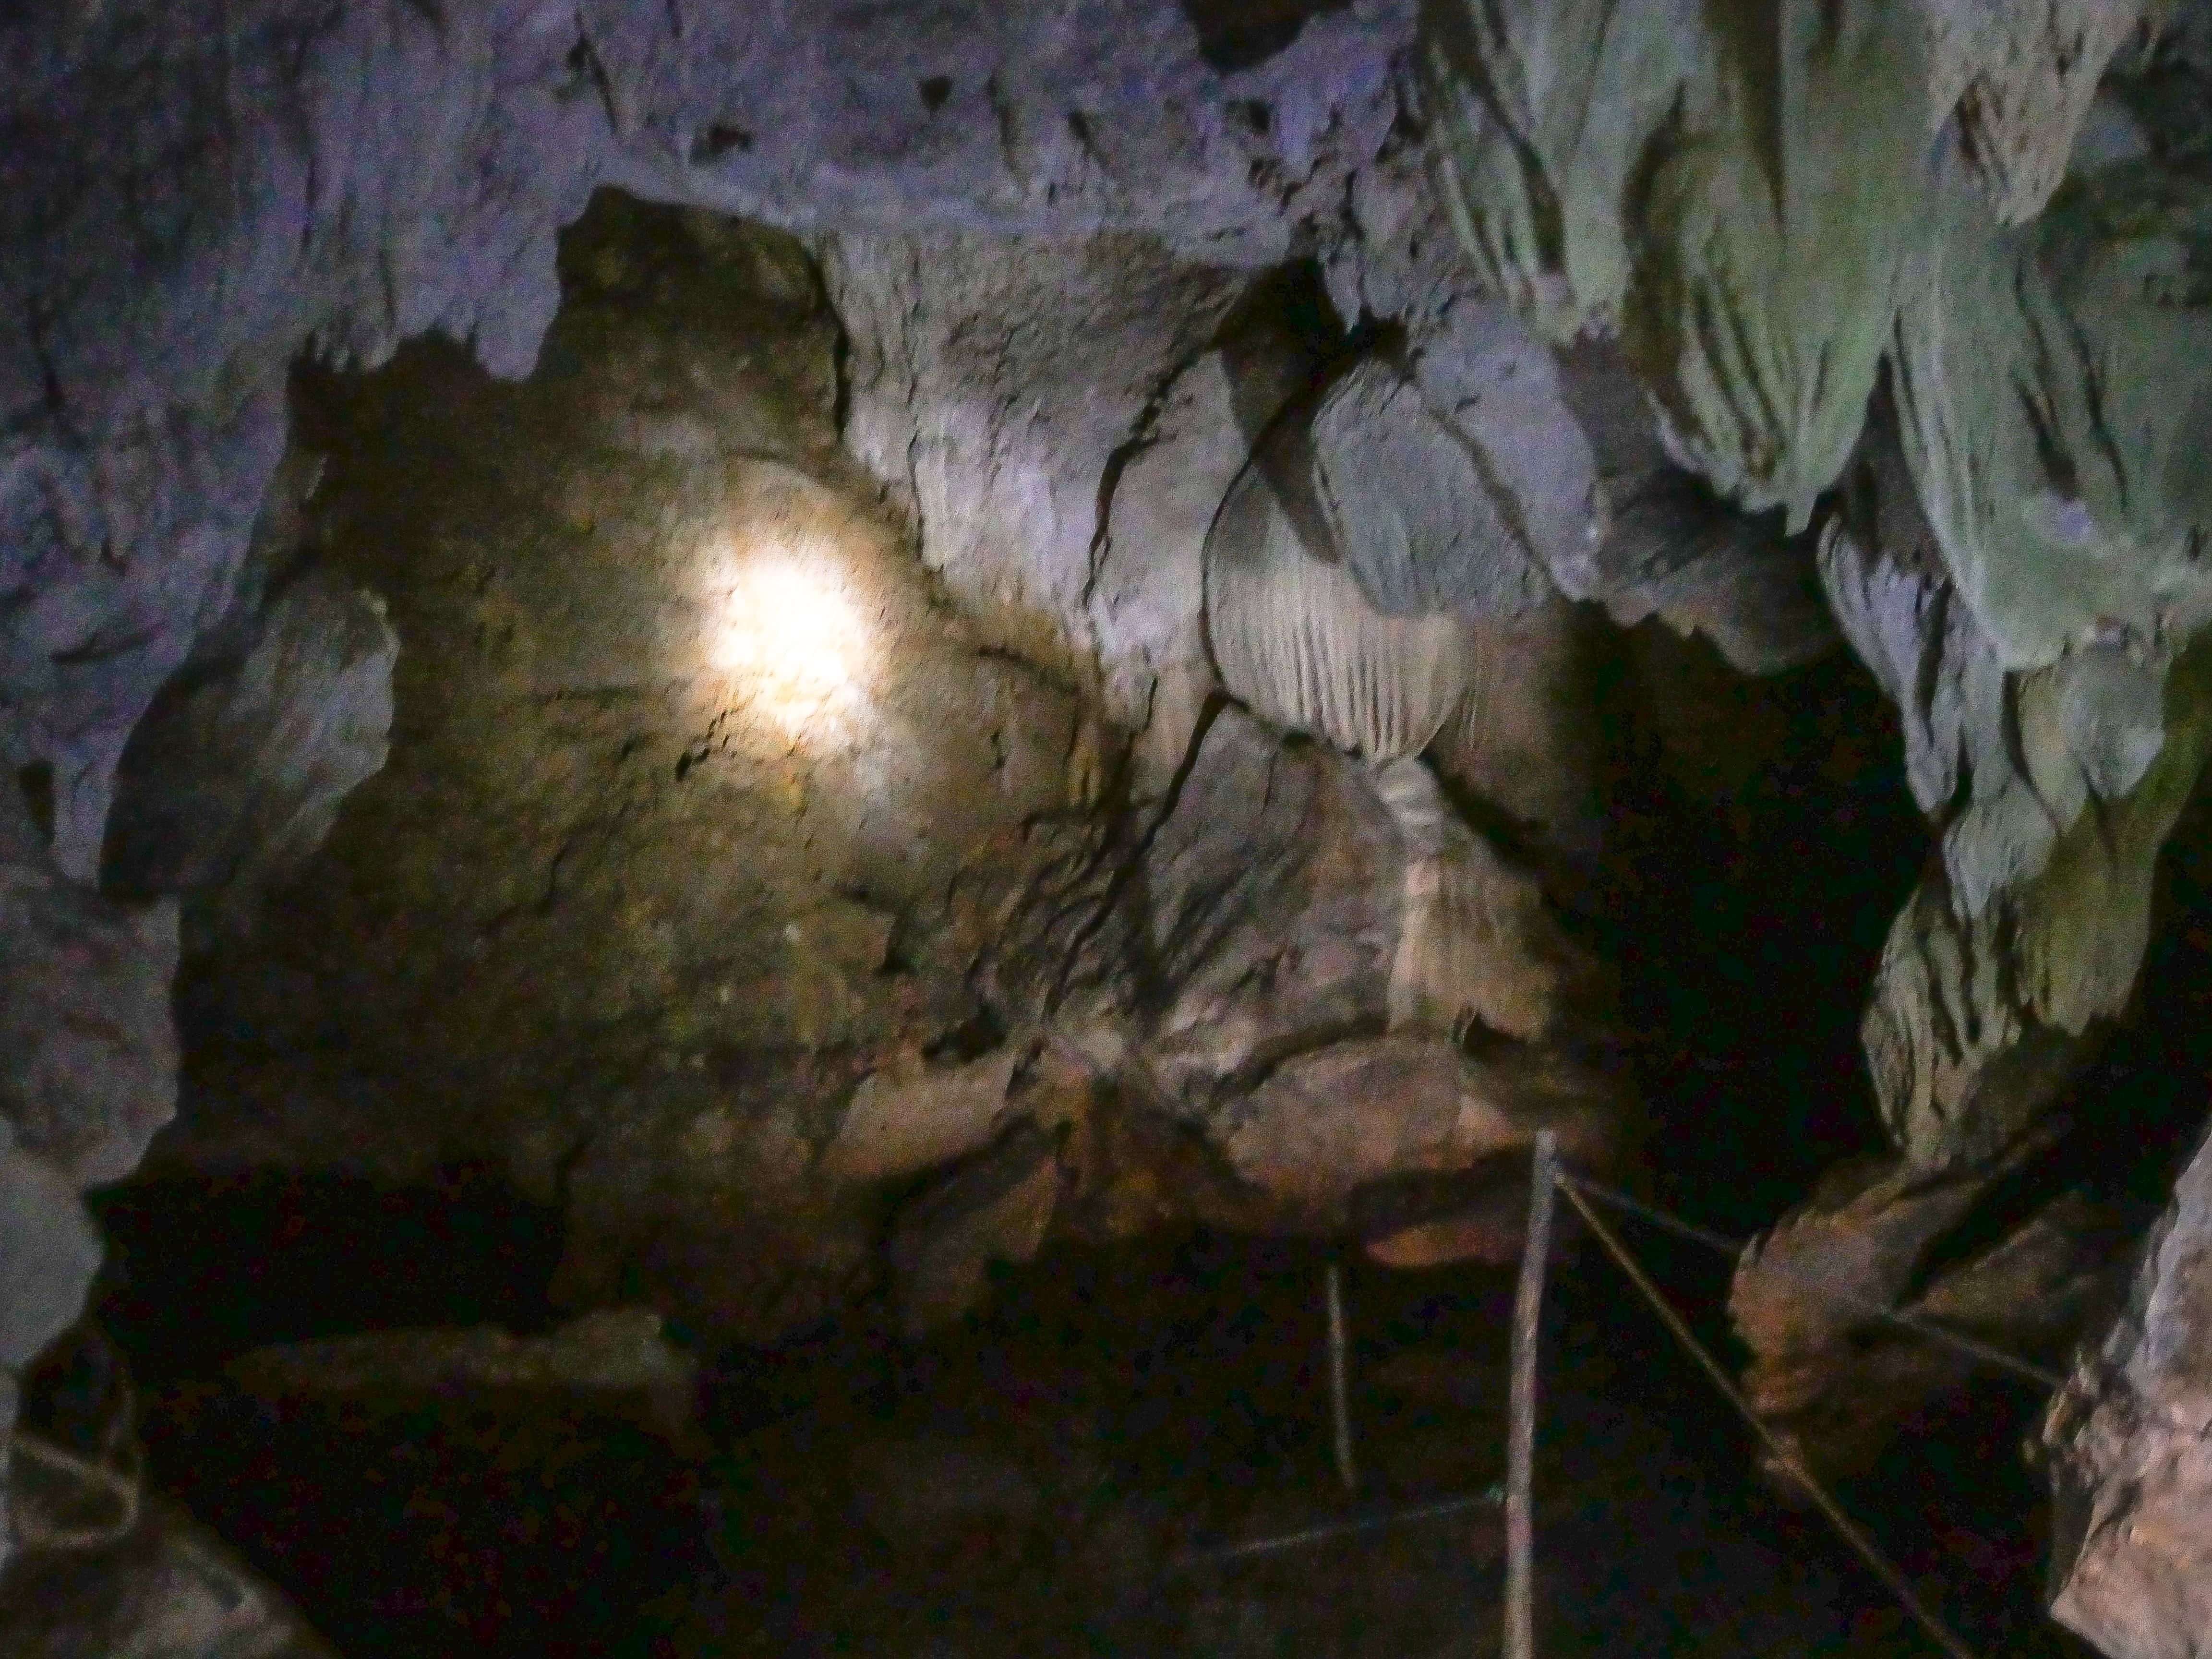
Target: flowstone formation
<point>1073,696</point>
<point>1776,223</point>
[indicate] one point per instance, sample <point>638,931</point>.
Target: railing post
<point>1521,1445</point>
<point>1339,1388</point>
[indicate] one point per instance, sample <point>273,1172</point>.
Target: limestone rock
<point>997,1208</point>
<point>2131,1437</point>
<point>51,1253</point>
<point>2085,523</point>
<point>2018,79</point>
<point>124,551</point>
<point>1507,702</point>
<point>88,1047</point>
<point>1405,504</point>
<point>912,1116</point>
<point>1354,1116</point>
<point>1297,947</point>
<point>664,868</point>
<point>693,1193</point>
<point>614,1362</point>
<point>1144,602</point>
<point>1736,208</point>
<point>1268,912</point>
<point>1883,573</point>
<point>1002,390</point>
<point>190,210</point>
<point>1666,545</point>
<point>1494,1231</point>
<point>1705,569</point>
<point>1296,638</point>
<point>1487,375</point>
<point>1980,1016</point>
<point>1529,740</point>
<point>2028,930</point>
<point>231,786</point>
<point>1835,1380</point>
<point>1475,941</point>
<point>87,1075</point>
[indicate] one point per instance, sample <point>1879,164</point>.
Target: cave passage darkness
<point>755,816</point>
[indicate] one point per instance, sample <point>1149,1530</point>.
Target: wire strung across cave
<point>1514,1494</point>
<point>1784,1453</point>
<point>1898,1318</point>
<point>1458,1503</point>
<point>1941,1334</point>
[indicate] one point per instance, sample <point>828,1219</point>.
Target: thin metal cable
<point>1491,1498</point>
<point>1988,1353</point>
<point>1783,1452</point>
<point>1669,1222</point>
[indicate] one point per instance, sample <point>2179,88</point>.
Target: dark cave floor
<point>1039,1482</point>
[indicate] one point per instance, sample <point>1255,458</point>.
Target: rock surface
<point>2131,1436</point>
<point>757,870</point>
<point>89,1076</point>
<point>230,787</point>
<point>615,1361</point>
<point>746,993</point>
<point>1286,969</point>
<point>1834,1375</point>
<point>169,1591</point>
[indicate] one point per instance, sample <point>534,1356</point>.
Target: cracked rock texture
<point>1831,1377</point>
<point>88,1076</point>
<point>193,196</point>
<point>716,819</point>
<point>660,871</point>
<point>2132,1435</point>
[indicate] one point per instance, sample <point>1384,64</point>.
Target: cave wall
<point>1998,219</point>
<point>774,883</point>
<point>690,754</point>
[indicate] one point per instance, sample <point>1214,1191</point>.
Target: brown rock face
<point>1243,979</point>
<point>689,751</point>
<point>1835,1378</point>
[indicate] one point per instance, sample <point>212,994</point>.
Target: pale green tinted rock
<point>1979,1014</point>
<point>1732,188</point>
<point>1546,111</point>
<point>2019,75</point>
<point>2056,391</point>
